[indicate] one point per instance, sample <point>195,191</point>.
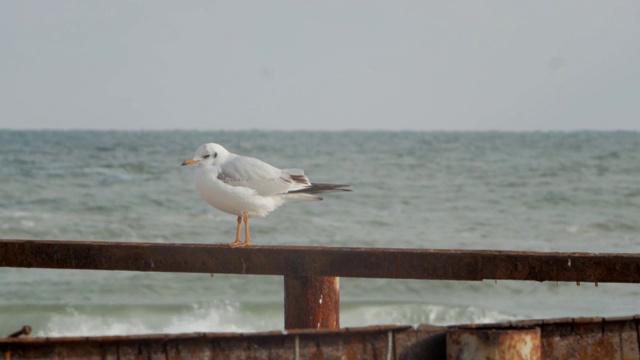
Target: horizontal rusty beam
<point>321,261</point>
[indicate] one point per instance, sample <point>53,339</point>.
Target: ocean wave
<point>616,226</point>
<point>226,316</point>
<point>75,323</point>
<point>109,176</point>
<point>17,214</point>
<point>16,220</point>
<point>417,314</point>
<point>132,320</point>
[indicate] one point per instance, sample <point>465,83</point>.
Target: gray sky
<point>423,65</point>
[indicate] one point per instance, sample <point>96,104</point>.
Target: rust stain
<point>481,343</point>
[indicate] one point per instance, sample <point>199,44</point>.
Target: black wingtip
<point>324,188</point>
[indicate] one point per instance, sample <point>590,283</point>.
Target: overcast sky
<point>422,65</point>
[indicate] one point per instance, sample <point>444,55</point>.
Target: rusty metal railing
<point>311,273</point>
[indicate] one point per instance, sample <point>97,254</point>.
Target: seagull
<point>248,187</point>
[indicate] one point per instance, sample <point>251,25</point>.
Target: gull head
<point>210,154</point>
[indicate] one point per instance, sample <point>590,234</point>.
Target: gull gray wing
<point>261,177</point>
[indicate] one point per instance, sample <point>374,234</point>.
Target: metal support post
<point>311,302</point>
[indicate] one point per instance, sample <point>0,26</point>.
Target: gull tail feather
<point>316,188</point>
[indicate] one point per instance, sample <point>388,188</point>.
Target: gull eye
<point>206,156</point>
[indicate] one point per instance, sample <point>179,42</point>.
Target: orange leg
<point>247,237</point>
<point>237,242</point>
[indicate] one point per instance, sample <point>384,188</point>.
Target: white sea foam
<point>224,317</point>
<point>20,220</point>
<point>215,317</point>
<point>76,323</point>
<point>417,314</point>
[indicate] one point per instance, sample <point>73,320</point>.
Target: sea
<point>538,191</point>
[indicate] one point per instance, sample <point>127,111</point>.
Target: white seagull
<point>248,187</point>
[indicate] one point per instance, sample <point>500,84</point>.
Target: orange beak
<point>189,162</point>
